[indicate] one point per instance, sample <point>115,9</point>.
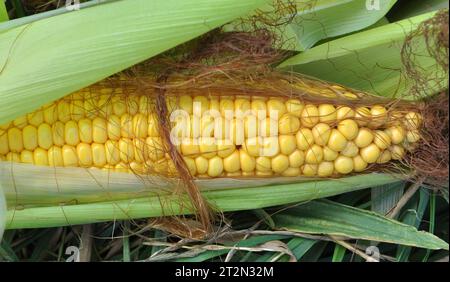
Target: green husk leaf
<point>166,204</point>
<point>370,60</point>
<point>318,20</point>
<point>88,45</point>
<point>326,217</point>
<point>385,197</point>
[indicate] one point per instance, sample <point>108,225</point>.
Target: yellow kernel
<point>155,147</point>
<point>85,127</point>
<point>264,173</point>
<point>90,107</point>
<point>226,107</point>
<point>343,164</point>
<point>325,169</point>
<point>126,126</point>
<point>344,113</point>
<point>310,116</point>
<point>215,166</point>
<point>295,107</point>
<point>207,125</point>
<point>384,157</point>
<point>202,164</point>
<point>69,154</point>
<point>291,172</point>
<point>288,144</point>
<point>36,118</point>
<point>288,124</point>
<point>268,127</point>
<point>20,122</point>
<point>248,173</point>
<point>84,153</point>
<point>190,164</point>
<point>26,157</point>
<point>4,144</point>
<point>381,139</point>
<point>296,158</point>
<point>208,147</point>
<point>186,103</point>
<point>105,106</point>
<point>77,110</point>
<point>126,148</point>
<point>397,152</point>
<point>136,167</point>
<point>248,163</point>
<point>337,141</point>
<point>55,157</point>
<point>329,155</point>
<point>349,128</point>
<point>71,135</point>
<point>40,157</point>
<point>121,167</point>
<point>241,106</point>
<point>13,157</point>
<point>232,163</point>
<point>112,152</point>
<point>144,105</point>
<point>275,108</point>
<point>30,137</point>
<point>321,133</point>
<point>263,164</point>
<point>370,153</point>
<point>253,146</point>
<point>119,105</point>
<point>224,149</point>
<point>351,150</point>
<point>397,134</point>
<point>63,108</point>
<point>15,140</point>
<point>153,128</point>
<point>359,164</point>
<point>200,105</point>
<point>190,147</point>
<point>327,113</point>
<point>412,120</point>
<point>314,155</point>
<point>364,137</point>
<point>413,136</point>
<point>98,155</point>
<point>50,113</point>
<point>270,146</point>
<point>379,116</point>
<point>362,116</point>
<point>309,169</point>
<point>140,125</point>
<point>99,130</point>
<point>237,131</point>
<point>259,108</point>
<point>305,139</point>
<point>251,126</point>
<point>280,163</point>
<point>56,133</point>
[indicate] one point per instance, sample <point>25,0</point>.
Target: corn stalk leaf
<point>326,217</point>
<point>88,45</point>
<point>167,204</point>
<point>317,20</point>
<point>370,60</point>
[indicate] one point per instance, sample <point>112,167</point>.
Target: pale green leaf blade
<point>223,200</point>
<point>326,217</point>
<point>369,60</point>
<point>85,46</point>
<point>385,197</point>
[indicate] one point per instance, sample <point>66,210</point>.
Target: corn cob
<point>217,136</point>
